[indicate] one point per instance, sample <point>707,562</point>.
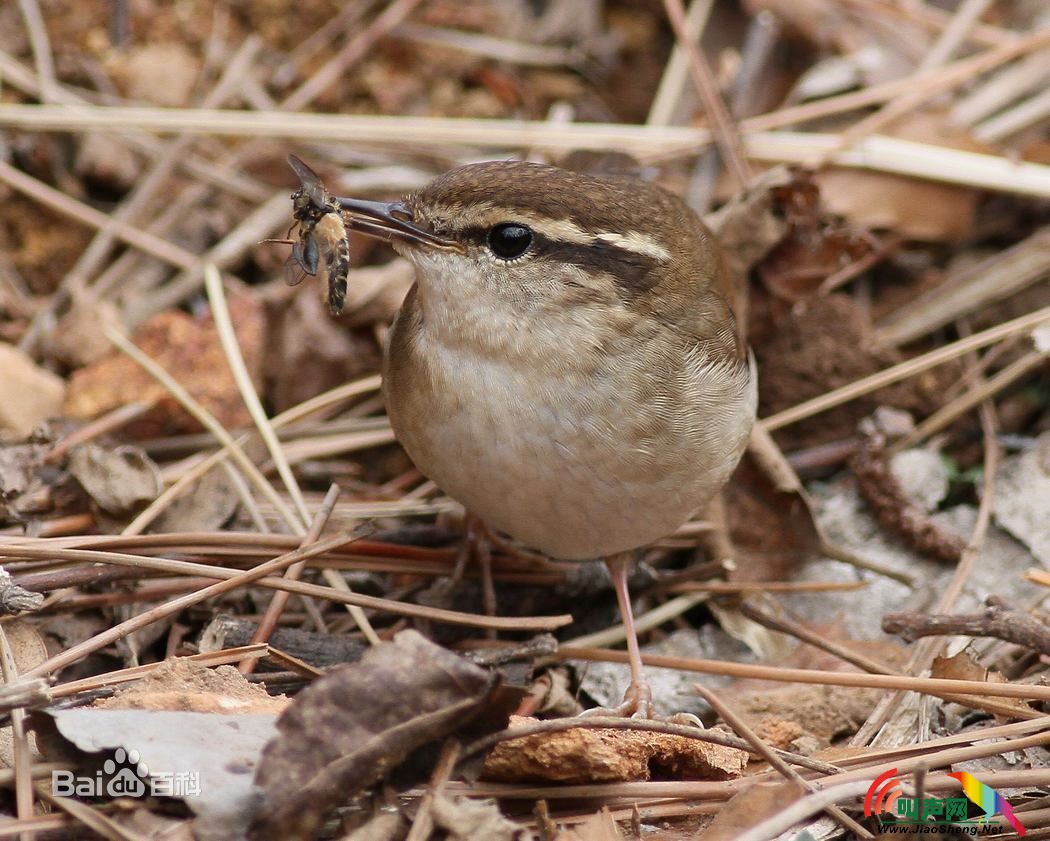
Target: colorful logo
<point>988,799</point>
<point>885,797</point>
<point>878,800</point>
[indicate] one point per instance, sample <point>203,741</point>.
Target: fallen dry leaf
<point>598,827</point>
<point>311,352</point>
<point>816,244</point>
<point>28,651</point>
<point>207,506</point>
<point>23,490</point>
<point>120,481</point>
<point>213,755</point>
<point>880,201</point>
<point>749,808</point>
<point>584,755</point>
<point>465,820</point>
<point>356,724</point>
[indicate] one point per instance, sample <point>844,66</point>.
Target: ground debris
<point>357,724</point>
<point>585,755</point>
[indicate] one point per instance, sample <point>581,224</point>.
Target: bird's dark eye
<point>509,240</point>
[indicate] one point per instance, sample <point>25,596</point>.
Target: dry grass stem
<point>208,421</point>
<point>930,686</point>
<point>668,96</point>
<point>509,623</point>
<point>989,281</point>
<point>965,402</point>
<point>228,338</point>
<point>19,739</point>
<point>909,368</point>
<point>770,755</point>
<point>725,133</point>
<point>211,658</point>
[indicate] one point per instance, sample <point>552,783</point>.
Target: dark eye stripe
<point>634,272</point>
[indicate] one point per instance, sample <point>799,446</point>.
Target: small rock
<point>29,394</point>
<point>1022,498</point>
<point>922,476</point>
<point>161,74</point>
<point>107,160</point>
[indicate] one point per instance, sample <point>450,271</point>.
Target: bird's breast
<point>577,453</point>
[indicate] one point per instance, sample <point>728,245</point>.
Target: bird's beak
<point>389,221</point>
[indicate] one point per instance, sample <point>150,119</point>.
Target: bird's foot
<point>638,703</point>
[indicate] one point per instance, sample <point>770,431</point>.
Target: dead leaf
<point>188,348</point>
<point>29,394</point>
<point>774,530</point>
<point>357,723</point>
<point>28,651</point>
<point>598,827</point>
<point>962,666</point>
<point>815,245</point>
<point>207,506</point>
<point>214,754</point>
<point>312,352</point>
<point>120,481</point>
<point>465,820</point>
<point>917,209</point>
<point>22,489</point>
<point>585,755</point>
<point>751,222</point>
<point>749,808</point>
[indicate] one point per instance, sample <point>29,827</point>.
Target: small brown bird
<point>568,365</point>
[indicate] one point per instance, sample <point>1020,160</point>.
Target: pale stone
<point>29,394</point>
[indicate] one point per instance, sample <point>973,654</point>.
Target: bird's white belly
<point>559,467</point>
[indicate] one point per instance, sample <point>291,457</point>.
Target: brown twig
<point>930,686</point>
<point>280,598</point>
<point>789,626</point>
<point>996,620</point>
<point>926,649</point>
<point>423,825</point>
<point>117,632</point>
<point>19,739</point>
<point>507,623</point>
<point>909,368</point>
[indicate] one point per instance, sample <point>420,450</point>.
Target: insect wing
<point>310,185</point>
